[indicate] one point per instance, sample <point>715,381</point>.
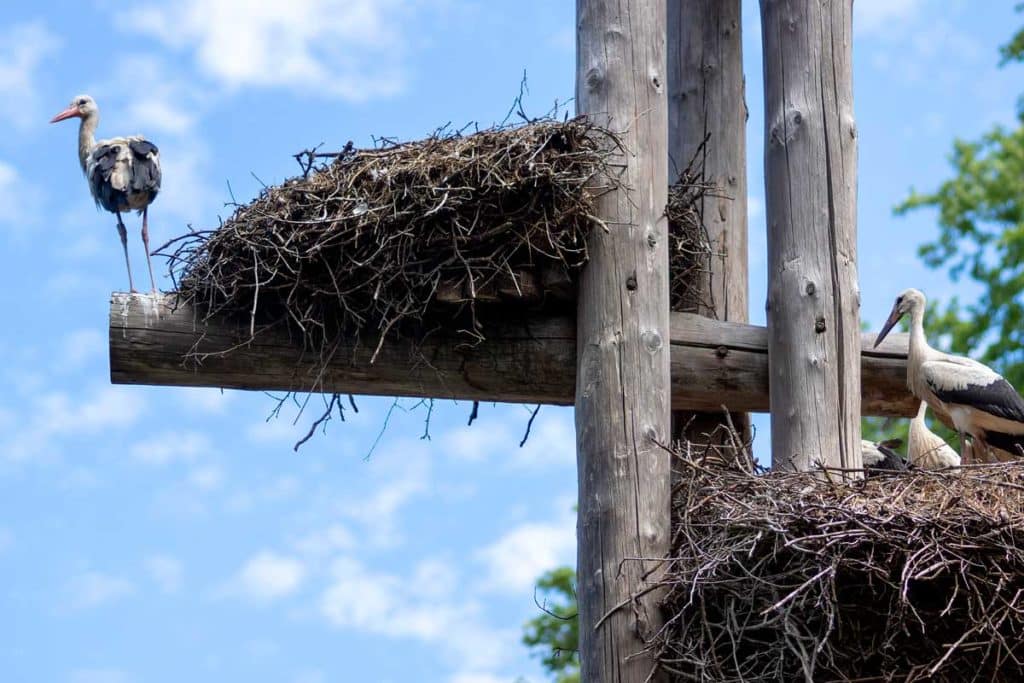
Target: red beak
<point>68,113</point>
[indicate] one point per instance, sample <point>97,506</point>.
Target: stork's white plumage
<point>977,400</point>
<point>925,448</point>
<point>123,173</point>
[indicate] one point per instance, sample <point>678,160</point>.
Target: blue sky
<point>160,534</point>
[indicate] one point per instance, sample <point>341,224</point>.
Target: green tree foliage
<point>554,635</point>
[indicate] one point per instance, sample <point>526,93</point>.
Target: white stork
<point>123,173</point>
<point>925,448</point>
<point>977,400</point>
<point>882,455</point>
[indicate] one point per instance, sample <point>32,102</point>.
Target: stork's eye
<point>899,300</point>
<point>81,102</point>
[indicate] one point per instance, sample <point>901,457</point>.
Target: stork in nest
<point>967,395</point>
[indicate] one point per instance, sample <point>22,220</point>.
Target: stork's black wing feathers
<point>142,148</point>
<point>106,157</point>
<point>1011,443</point>
<point>145,171</point>
<point>997,398</point>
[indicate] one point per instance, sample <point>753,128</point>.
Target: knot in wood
<point>722,351</point>
<point>656,82</point>
<point>651,340</point>
<point>651,433</point>
<point>631,283</point>
<point>594,78</point>
<point>819,324</point>
<point>810,289</point>
<point>652,239</point>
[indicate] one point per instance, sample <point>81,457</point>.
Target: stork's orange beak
<point>68,113</point>
<point>893,318</point>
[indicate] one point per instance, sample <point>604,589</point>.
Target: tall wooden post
<point>622,381</point>
<point>810,183</point>
<point>706,101</point>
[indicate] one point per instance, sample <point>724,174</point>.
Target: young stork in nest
<point>977,400</point>
<point>925,448</point>
<point>881,456</point>
<point>123,173</point>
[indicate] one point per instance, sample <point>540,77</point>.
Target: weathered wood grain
<point>623,391</point>
<point>810,190</point>
<point>530,360</point>
<point>706,102</point>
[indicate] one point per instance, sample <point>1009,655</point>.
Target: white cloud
<point>15,190</point>
<point>165,571</point>
<point>93,589</point>
<point>870,16</point>
<point>23,49</point>
<point>351,49</point>
<point>516,559</point>
<point>398,486</point>
<point>387,605</point>
<point>58,414</point>
<point>268,576</point>
<point>168,447</point>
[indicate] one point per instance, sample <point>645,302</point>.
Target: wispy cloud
<point>383,604</point>
<point>93,589</point>
<point>872,16</point>
<point>17,191</point>
<point>60,414</point>
<point>164,448</point>
<point>267,576</point>
<point>349,49</point>
<point>24,48</point>
<point>515,560</point>
<point>166,572</point>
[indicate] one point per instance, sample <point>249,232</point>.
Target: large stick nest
<point>407,237</point>
<point>797,577</point>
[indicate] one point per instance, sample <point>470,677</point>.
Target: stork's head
<point>82,106</point>
<point>909,301</point>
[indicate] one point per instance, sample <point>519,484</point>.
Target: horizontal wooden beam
<point>527,360</point>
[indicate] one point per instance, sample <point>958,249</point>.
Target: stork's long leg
<point>145,241</point>
<point>123,232</point>
<point>965,451</point>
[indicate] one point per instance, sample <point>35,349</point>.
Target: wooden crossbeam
<point>531,360</point>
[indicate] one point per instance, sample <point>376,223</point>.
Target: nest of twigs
<point>409,237</point>
<point>788,576</point>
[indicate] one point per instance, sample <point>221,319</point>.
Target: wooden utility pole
<point>810,188</point>
<point>622,379</point>
<point>706,101</point>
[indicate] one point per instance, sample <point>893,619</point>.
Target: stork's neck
<point>919,348</point>
<point>87,137</point>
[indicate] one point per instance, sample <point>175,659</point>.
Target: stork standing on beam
<point>925,448</point>
<point>978,401</point>
<point>123,173</point>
